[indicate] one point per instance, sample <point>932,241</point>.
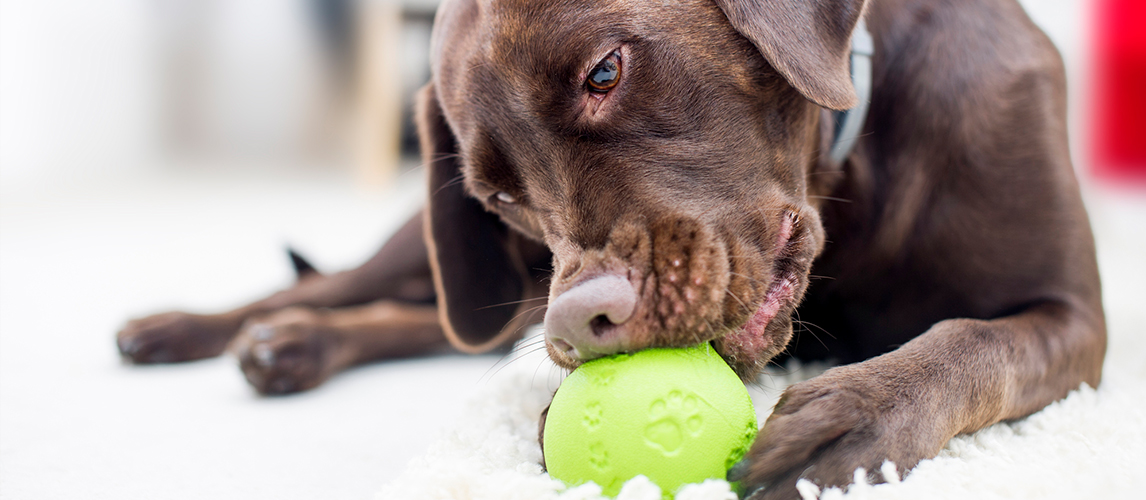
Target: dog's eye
<point>605,75</point>
<point>505,197</point>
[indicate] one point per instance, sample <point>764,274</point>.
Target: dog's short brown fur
<point>949,258</point>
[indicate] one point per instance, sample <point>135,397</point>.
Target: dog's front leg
<point>296,349</point>
<point>399,271</point>
<point>903,407</point>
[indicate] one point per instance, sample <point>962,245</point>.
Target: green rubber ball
<point>677,416</point>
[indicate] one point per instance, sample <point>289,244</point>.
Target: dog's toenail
<point>264,355</point>
<point>738,471</point>
<point>128,347</point>
<point>676,262</point>
<point>161,356</point>
<point>280,386</point>
<point>263,332</point>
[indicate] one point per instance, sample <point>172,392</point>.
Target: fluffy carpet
<point>1092,444</point>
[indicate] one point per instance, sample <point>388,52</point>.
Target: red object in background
<point>1119,131</point>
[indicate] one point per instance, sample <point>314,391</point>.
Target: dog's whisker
<point>527,311</point>
<point>804,324</point>
<point>796,339</point>
<point>488,376</point>
<point>737,299</point>
<point>436,157</point>
<point>526,344</point>
<point>540,338</point>
<point>825,172</point>
<point>754,280</point>
<point>830,198</point>
<point>541,363</point>
<point>518,349</point>
<point>529,322</point>
<point>452,182</point>
<point>512,302</point>
<point>808,323</point>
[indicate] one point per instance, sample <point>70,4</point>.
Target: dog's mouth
<point>766,331</point>
<point>753,338</point>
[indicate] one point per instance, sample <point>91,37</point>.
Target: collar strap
<point>849,123</point>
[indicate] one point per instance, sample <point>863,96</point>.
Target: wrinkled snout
<point>588,320</point>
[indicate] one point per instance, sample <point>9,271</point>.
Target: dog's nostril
<point>599,323</point>
<point>590,316</point>
<point>562,346</point>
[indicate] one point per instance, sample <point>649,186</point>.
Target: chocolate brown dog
<point>664,166</point>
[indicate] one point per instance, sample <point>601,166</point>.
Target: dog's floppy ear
<point>482,269</point>
<point>807,41</point>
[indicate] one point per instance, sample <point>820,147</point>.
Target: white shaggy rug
<point>1092,444</point>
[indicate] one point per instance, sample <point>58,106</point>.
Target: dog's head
<point>659,151</point>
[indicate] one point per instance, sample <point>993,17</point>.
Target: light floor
<point>77,259</point>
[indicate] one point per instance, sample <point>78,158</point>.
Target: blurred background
<point>194,84</point>
<point>264,86</point>
<point>159,154</point>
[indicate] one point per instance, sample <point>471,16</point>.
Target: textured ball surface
<point>677,416</point>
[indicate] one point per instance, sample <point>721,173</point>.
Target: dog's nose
<point>586,321</point>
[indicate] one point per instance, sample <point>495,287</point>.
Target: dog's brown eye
<point>606,74</point>
<point>505,197</point>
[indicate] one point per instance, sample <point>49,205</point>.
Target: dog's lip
<point>781,292</point>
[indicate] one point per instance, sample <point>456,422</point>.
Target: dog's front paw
<point>290,351</point>
<point>175,336</point>
<point>826,428</point>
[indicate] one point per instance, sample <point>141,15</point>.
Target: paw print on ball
<point>592,418</point>
<point>598,456</point>
<point>671,418</point>
<point>603,378</point>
